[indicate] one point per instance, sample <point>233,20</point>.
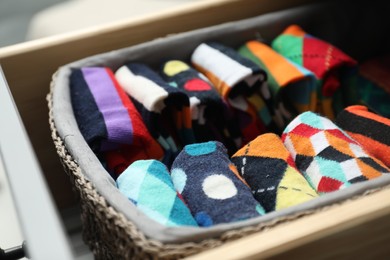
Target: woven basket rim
<point>152,246</point>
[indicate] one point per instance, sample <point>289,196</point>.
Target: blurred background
<point>15,17</point>
<point>25,20</point>
<point>22,20</point>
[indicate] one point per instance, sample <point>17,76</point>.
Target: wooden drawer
<point>29,66</point>
<point>358,227</point>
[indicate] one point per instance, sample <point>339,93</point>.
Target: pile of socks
<point>235,133</point>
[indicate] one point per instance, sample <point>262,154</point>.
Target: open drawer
<point>346,221</point>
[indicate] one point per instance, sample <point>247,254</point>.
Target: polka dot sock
<point>270,172</point>
<point>235,78</point>
<point>164,109</point>
<point>108,119</point>
<point>207,107</point>
<point>293,87</point>
<point>325,60</point>
<point>328,157</point>
<point>369,129</point>
<point>148,185</point>
<point>203,174</point>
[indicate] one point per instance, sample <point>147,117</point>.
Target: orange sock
<point>369,129</point>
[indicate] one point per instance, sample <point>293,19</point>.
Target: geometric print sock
<point>206,104</point>
<point>372,131</point>
<point>290,83</point>
<point>328,157</point>
<point>203,174</point>
<point>326,61</point>
<point>107,118</point>
<point>375,71</point>
<point>361,88</point>
<point>235,78</point>
<point>164,109</point>
<point>267,167</point>
<point>148,185</point>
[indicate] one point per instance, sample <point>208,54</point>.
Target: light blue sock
<point>148,185</point>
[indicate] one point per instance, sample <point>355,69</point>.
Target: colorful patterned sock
<point>107,118</point>
<point>267,167</point>
<point>290,83</point>
<point>203,174</point>
<point>164,109</point>
<point>370,85</point>
<point>235,78</point>
<point>325,60</point>
<point>148,185</point>
<point>369,129</point>
<point>118,160</point>
<point>206,104</point>
<point>327,156</point>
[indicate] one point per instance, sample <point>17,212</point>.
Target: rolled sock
<point>207,107</point>
<point>372,131</point>
<point>373,85</point>
<point>235,78</point>
<point>203,174</point>
<point>326,61</point>
<point>290,83</point>
<point>106,116</point>
<point>118,160</point>
<point>328,157</point>
<point>148,185</point>
<point>164,109</point>
<point>267,167</point>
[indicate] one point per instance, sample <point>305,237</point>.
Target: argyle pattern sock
<point>290,83</point>
<point>235,78</point>
<point>148,185</point>
<point>207,107</point>
<point>203,174</point>
<point>369,129</point>
<point>325,60</point>
<point>359,89</point>
<point>107,118</point>
<point>164,109</point>
<point>329,159</point>
<point>374,86</point>
<point>267,167</point>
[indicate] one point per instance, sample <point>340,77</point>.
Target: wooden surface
<point>359,229</point>
<point>29,66</point>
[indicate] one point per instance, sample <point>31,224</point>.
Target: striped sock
<point>270,172</point>
<point>292,85</point>
<point>369,129</point>
<point>164,109</point>
<point>203,174</point>
<point>327,156</point>
<point>148,185</point>
<point>108,120</point>
<point>325,60</point>
<point>235,78</point>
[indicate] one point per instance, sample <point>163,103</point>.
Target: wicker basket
<point>109,232</point>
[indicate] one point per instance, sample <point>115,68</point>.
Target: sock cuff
<point>363,111</point>
<point>226,69</point>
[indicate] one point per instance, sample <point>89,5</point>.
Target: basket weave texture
<point>110,235</point>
